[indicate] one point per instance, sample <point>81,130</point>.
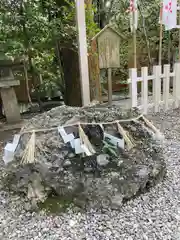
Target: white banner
<point>169,14</point>
<point>133,10</point>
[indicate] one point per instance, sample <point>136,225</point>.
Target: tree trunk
<point>70,66</point>
<point>29,55</point>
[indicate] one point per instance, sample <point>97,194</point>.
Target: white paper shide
<point>10,149</point>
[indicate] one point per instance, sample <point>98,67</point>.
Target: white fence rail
<point>160,97</point>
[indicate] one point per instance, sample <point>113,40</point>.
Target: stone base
<point>105,181</point>
<point>10,105</point>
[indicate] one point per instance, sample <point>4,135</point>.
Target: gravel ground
<point>154,215</point>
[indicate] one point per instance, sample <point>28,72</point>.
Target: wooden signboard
<point>108,48</point>
<point>108,41</point>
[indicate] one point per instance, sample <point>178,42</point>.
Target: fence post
<point>156,87</point>
<point>176,84</point>
<point>166,85</point>
<point>133,86</point>
<point>144,99</point>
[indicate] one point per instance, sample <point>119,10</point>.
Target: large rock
<point>108,178</point>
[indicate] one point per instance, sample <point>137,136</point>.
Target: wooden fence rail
<point>158,79</point>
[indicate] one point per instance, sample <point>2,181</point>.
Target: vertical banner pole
<point>160,35</point>
<point>133,21</point>
<point>134,41</point>
<point>133,10</point>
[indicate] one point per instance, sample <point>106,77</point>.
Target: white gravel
<point>154,215</point>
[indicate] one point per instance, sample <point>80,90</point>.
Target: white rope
<point>81,123</point>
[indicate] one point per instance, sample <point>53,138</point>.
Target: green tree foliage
<point>31,29</point>
<point>35,30</point>
<point>147,32</point>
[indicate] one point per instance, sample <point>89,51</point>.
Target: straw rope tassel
<point>29,152</point>
<point>150,125</point>
<point>149,130</point>
<point>159,135</point>
<point>125,136</point>
<point>84,140</point>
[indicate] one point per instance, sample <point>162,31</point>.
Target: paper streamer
<point>66,137</point>
<point>114,140</point>
<point>10,149</point>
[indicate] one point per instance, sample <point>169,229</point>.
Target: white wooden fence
<point>158,78</point>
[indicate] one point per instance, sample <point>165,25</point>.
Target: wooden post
<point>83,56</point>
<point>94,73</point>
<point>110,86</point>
